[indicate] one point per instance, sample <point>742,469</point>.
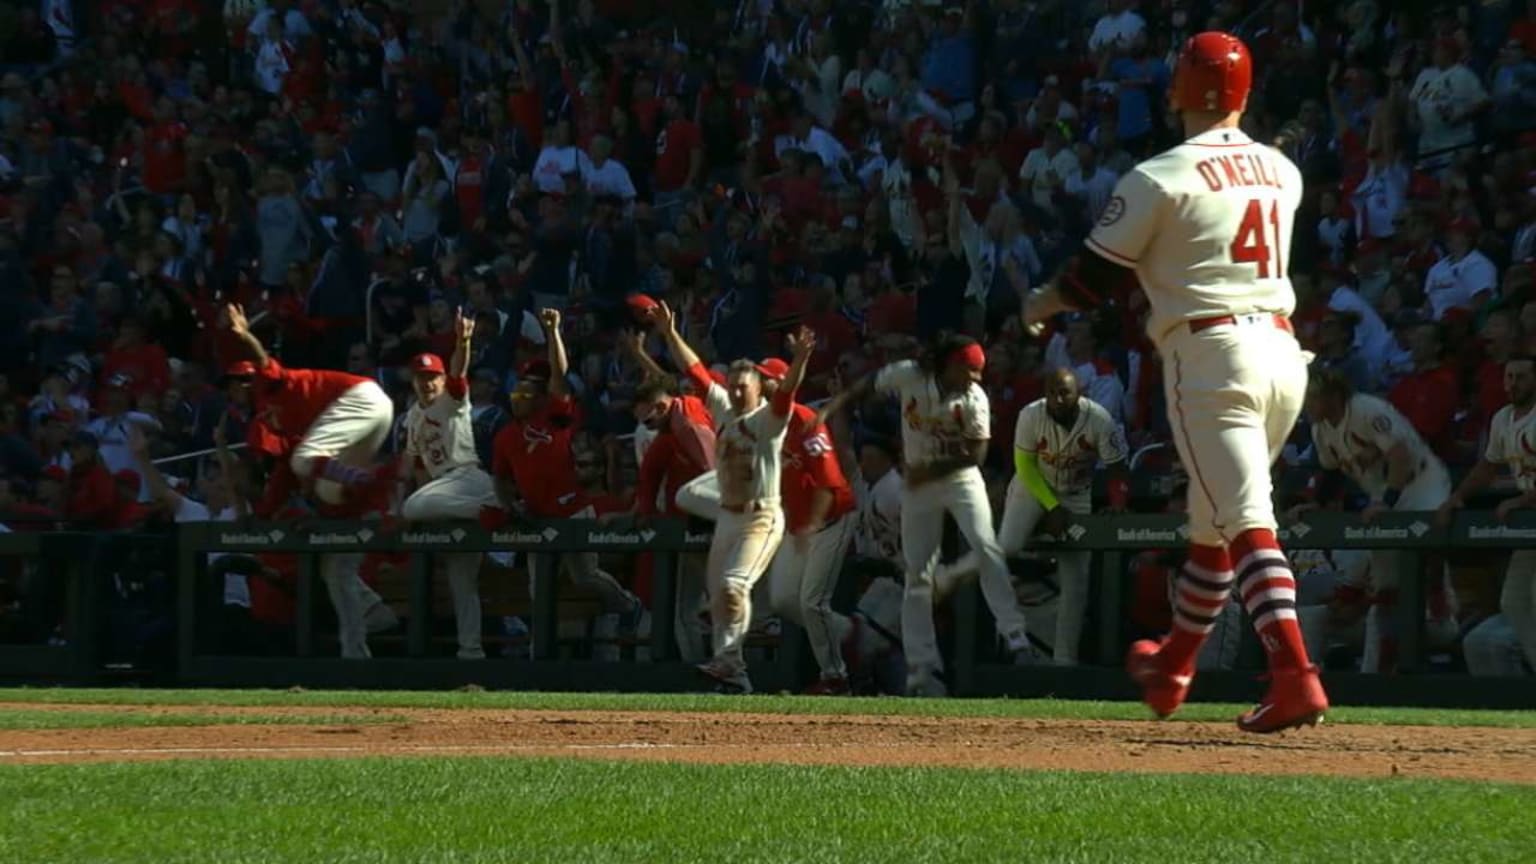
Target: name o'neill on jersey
<point>1245,170</point>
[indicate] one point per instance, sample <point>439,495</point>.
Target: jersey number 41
<point>1258,243</point>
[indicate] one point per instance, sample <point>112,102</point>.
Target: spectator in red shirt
<point>92,493</point>
<point>1430,395</point>
<point>679,161</point>
<point>143,363</point>
<point>130,513</point>
<point>1501,340</point>
<point>535,470</point>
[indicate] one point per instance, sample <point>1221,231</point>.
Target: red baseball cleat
<point>1163,691</point>
<point>1295,698</point>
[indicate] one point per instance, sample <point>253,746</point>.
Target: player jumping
<point>1206,227</point>
<point>337,421</point>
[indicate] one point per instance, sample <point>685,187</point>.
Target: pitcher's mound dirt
<point>1362,751</point>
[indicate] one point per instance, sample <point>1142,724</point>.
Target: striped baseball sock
<point>1269,594</point>
<point>1200,592</point>
<point>343,474</point>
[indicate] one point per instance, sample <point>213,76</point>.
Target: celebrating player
<point>1366,439</point>
<point>946,423</point>
<point>1511,440</point>
<point>440,446</point>
<point>337,421</point>
<point>1206,227</point>
<point>748,459</point>
<point>819,518</point>
<point>535,469</point>
<point>1057,443</point>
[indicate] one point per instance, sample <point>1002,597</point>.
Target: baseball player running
<point>819,518</point>
<point>535,471</point>
<point>1367,440</point>
<point>749,442</point>
<point>1511,440</point>
<point>1057,443</point>
<point>946,423</point>
<point>1206,228</point>
<point>339,420</point>
<point>440,449</point>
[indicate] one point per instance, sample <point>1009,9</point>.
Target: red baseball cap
<point>55,473</point>
<point>127,477</point>
<point>1462,226</point>
<point>427,364</point>
<point>240,369</point>
<point>640,305</point>
<point>773,368</point>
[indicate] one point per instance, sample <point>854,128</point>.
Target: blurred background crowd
<point>354,171</point>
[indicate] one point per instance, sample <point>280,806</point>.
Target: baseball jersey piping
<point>1109,253</point>
<point>1194,466</point>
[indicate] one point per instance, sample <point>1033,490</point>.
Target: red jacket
<point>1429,398</point>
<point>92,497</point>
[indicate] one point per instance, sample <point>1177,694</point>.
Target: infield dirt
<point>1467,753</point>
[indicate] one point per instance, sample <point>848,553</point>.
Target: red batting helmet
<point>1214,73</point>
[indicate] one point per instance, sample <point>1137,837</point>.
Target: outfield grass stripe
<point>1020,708</point>
<point>454,811</point>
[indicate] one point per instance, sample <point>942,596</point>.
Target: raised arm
<point>230,468</point>
<point>464,337</point>
<point>633,342</point>
<point>159,490</point>
<point>682,353</point>
<point>559,365</point>
<point>235,322</point>
<point>802,344</point>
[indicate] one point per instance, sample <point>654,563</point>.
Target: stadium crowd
<point>878,172</point>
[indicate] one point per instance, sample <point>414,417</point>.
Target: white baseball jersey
<point>935,425</point>
<point>879,526</point>
<point>1069,455</point>
<point>1359,443</point>
<point>1512,440</point>
<point>1207,227</point>
<point>748,455</point>
<point>442,434</point>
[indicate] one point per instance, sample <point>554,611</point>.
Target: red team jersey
<point>289,400</point>
<point>810,463</point>
<point>537,454</point>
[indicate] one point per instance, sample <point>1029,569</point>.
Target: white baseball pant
<point>964,496</point>
<point>701,497</point>
<point>1426,492</point>
<point>1492,649</point>
<point>740,551</point>
<point>351,430</point>
<point>804,575</point>
<point>459,494</point>
<point>1021,515</point>
<point>1234,393</point>
<point>350,598</point>
<point>1518,600</point>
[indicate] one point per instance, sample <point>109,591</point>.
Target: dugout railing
<point>976,668</point>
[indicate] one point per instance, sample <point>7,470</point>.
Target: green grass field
<point>767,704</point>
<point>411,809</point>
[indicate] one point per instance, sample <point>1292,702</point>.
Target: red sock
<point>1200,592</point>
<point>1269,594</point>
